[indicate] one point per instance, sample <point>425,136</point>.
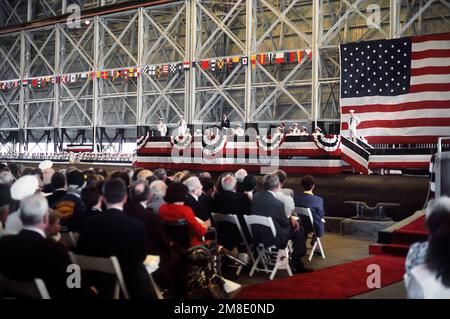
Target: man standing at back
<point>265,204</point>
<point>112,233</point>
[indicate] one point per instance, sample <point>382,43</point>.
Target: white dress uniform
<point>353,122</point>
<point>182,127</point>
<point>239,131</point>
<point>162,129</point>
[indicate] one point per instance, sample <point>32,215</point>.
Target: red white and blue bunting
<point>213,142</point>
<point>270,142</point>
<point>181,142</point>
<point>327,144</point>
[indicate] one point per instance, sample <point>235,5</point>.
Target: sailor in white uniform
<point>182,126</point>
<point>162,128</point>
<point>239,131</point>
<point>353,122</point>
<point>295,130</point>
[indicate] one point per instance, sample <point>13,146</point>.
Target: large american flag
<point>400,88</point>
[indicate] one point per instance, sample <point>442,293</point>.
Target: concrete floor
<point>339,249</point>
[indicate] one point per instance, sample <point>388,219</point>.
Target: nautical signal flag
<point>186,65</point>
<point>220,64</point>
<point>244,60</point>
<point>279,57</point>
<point>204,64</point>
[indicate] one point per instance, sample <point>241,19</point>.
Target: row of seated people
<point>117,216</point>
<point>78,197</point>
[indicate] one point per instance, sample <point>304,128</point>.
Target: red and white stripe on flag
<point>420,115</point>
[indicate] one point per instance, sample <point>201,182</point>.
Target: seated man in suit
<point>31,255</point>
<point>112,233</point>
<point>265,204</point>
<point>314,202</point>
<point>195,188</point>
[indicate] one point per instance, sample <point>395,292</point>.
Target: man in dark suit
<point>227,201</point>
<point>31,255</point>
<point>225,123</point>
<point>265,204</point>
<point>314,202</point>
<point>195,188</point>
<point>112,233</point>
<point>58,182</point>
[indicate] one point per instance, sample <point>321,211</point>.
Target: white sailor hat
<point>352,111</point>
<point>45,165</point>
<point>295,124</point>
<point>239,124</point>
<point>25,186</point>
<point>318,129</point>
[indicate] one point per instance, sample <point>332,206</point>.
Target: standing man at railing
<point>353,122</point>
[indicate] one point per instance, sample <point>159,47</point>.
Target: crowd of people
<point>122,214</point>
<point>72,157</point>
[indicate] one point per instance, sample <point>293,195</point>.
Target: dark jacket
<point>156,237</point>
<point>265,204</point>
<point>28,255</point>
<point>112,233</point>
<point>315,203</point>
<point>70,208</point>
<point>55,197</point>
<point>199,208</point>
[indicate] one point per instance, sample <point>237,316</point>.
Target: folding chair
<point>267,256</point>
<point>108,265</point>
<point>308,214</point>
<point>34,289</point>
<point>233,219</point>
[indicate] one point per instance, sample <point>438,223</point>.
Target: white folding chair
<point>34,289</point>
<point>308,214</point>
<point>233,219</point>
<point>268,256</point>
<point>108,265</point>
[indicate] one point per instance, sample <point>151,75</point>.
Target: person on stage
<point>317,131</point>
<point>225,123</point>
<point>304,131</point>
<point>239,131</point>
<point>162,128</point>
<point>295,130</point>
<point>353,122</point>
<point>182,126</point>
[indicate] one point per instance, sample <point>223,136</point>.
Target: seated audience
<point>315,203</point>
<point>175,209</point>
<point>92,200</point>
<point>431,280</point>
<point>248,188</point>
<point>265,204</point>
<point>112,233</point>
<point>418,251</point>
<point>157,192</point>
<point>192,199</point>
<point>30,255</point>
<point>6,204</point>
<point>53,229</point>
<point>6,178</point>
<point>25,186</point>
<point>142,176</point>
<point>206,175</point>
<point>227,201</point>
<point>161,174</point>
<point>282,176</point>
<point>207,196</point>
<point>71,207</point>
<point>58,182</point>
<point>240,175</point>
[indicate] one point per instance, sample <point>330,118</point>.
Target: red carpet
<point>416,226</point>
<point>341,281</point>
<point>402,238</point>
